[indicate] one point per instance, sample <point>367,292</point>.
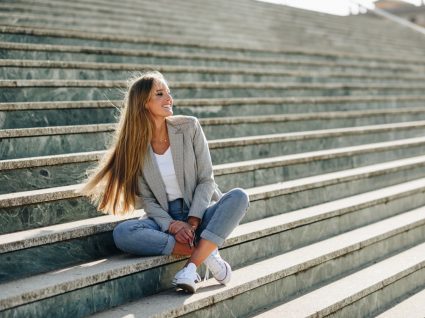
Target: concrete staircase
<point>320,118</point>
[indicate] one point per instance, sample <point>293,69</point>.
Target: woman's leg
<point>144,237</point>
<point>218,222</point>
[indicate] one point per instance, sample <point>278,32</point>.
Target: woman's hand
<point>176,226</point>
<point>182,232</point>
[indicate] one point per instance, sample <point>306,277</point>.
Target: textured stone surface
<point>45,213</point>
<point>114,91</point>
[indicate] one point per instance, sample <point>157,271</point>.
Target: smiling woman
<point>164,162</point>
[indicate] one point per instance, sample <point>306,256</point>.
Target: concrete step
<point>37,250</point>
<point>36,69</point>
<point>42,114</point>
<point>363,293</point>
<point>28,174</point>
<point>75,38</point>
<point>69,90</point>
<point>284,276</point>
<point>413,307</point>
<point>394,233</point>
<point>29,52</point>
<point>31,209</point>
<point>34,142</point>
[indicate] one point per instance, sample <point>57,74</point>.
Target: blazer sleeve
<point>152,208</point>
<point>205,178</point>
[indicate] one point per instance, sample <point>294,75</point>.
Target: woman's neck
<point>160,132</point>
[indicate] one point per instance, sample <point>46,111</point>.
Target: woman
<point>163,161</point>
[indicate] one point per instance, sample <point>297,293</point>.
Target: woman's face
<point>160,104</point>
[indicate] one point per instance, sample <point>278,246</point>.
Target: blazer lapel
<point>154,179</point>
<point>176,144</point>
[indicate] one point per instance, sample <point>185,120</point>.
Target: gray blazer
<point>192,163</point>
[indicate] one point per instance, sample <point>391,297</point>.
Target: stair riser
<point>288,108</point>
<point>37,94</point>
<point>18,180</point>
<point>57,117</point>
<point>265,128</point>
<point>264,150</point>
<point>311,196</point>
<point>59,144</point>
<point>10,37</point>
<point>59,211</point>
<point>114,292</point>
<point>84,116</point>
<point>44,214</point>
<point>152,61</point>
<point>16,73</point>
<point>384,298</point>
<point>21,263</point>
<point>235,37</point>
<point>304,281</point>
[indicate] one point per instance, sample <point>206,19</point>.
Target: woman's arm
<point>205,181</point>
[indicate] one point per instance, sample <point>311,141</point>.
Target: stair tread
<point>204,102</point>
<point>256,193</point>
<point>99,36</point>
<point>46,285</point>
<point>340,293</point>
<point>54,233</point>
<point>74,129</point>
<point>219,169</point>
<point>249,277</point>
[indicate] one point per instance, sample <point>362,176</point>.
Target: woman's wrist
<point>193,222</point>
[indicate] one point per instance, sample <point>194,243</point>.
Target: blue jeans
<point>144,236</point>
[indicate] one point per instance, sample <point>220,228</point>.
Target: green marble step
<point>34,69</point>
<point>42,114</point>
<point>68,90</point>
<point>30,142</point>
<point>59,292</point>
<point>367,292</point>
<point>219,34</point>
<point>231,127</point>
<point>34,52</point>
<point>27,174</point>
<point>286,276</point>
<point>37,208</point>
<point>110,24</point>
<point>90,239</point>
<point>54,37</point>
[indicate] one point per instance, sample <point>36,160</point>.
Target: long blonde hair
<point>113,184</point>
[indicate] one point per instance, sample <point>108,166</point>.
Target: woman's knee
<point>120,234</point>
<point>241,196</point>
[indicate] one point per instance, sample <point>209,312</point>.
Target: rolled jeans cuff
<point>168,249</point>
<point>210,236</point>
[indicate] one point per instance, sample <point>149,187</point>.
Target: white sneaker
<point>220,269</point>
<point>186,278</point>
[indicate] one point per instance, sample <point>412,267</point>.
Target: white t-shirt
<point>168,174</point>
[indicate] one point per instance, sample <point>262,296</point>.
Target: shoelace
<point>207,271</point>
<point>207,274</point>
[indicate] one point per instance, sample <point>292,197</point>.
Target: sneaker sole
<point>186,287</point>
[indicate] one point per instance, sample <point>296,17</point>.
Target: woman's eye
<point>159,94</point>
